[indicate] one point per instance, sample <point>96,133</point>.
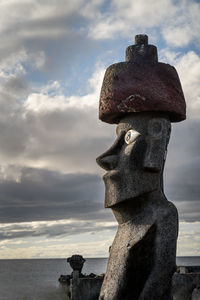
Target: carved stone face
<point>135,162</point>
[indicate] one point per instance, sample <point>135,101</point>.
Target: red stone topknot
<point>141,84</point>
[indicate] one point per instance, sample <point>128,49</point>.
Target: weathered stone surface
<point>141,84</point>
<point>142,256</point>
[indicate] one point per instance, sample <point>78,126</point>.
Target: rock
<point>196,294</point>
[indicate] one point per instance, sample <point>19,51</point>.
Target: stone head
<point>143,96</point>
<point>135,162</point>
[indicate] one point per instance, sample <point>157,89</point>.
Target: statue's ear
<point>157,140</point>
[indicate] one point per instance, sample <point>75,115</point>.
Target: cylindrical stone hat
<point>141,84</point>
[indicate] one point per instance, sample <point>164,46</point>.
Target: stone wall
<point>86,288</point>
<point>184,285</point>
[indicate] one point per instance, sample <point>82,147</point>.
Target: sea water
<point>37,279</point>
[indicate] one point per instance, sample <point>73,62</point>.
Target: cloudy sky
<point>53,55</point>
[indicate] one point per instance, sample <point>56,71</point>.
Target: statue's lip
<point>110,174</point>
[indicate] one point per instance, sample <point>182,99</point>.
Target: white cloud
<point>169,56</point>
<point>40,102</point>
<point>91,9</point>
<point>33,12</point>
<point>43,227</point>
<point>188,241</point>
<point>188,68</point>
<point>96,248</point>
<point>127,17</point>
<point>183,28</point>
<point>95,245</point>
<point>107,28</point>
<point>89,244</point>
<point>177,36</point>
<point>14,64</point>
<point>155,11</point>
<point>50,97</point>
<point>175,20</point>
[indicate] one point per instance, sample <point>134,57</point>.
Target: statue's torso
<point>132,255</point>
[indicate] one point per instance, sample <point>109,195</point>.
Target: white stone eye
<point>131,136</point>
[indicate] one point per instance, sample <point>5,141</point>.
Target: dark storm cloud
<point>47,195</point>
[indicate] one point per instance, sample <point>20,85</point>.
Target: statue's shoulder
<point>167,211</point>
<point>170,206</point>
<point>167,218</point>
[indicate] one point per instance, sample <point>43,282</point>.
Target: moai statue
<point>143,97</point>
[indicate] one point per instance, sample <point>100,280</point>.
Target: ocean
<point>37,279</point>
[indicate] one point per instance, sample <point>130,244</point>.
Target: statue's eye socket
<point>131,136</point>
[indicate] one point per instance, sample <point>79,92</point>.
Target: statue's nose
<point>109,159</point>
<point>108,162</point>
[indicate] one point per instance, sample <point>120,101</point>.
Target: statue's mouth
<point>111,174</point>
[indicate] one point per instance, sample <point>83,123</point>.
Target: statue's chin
<point>118,190</point>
